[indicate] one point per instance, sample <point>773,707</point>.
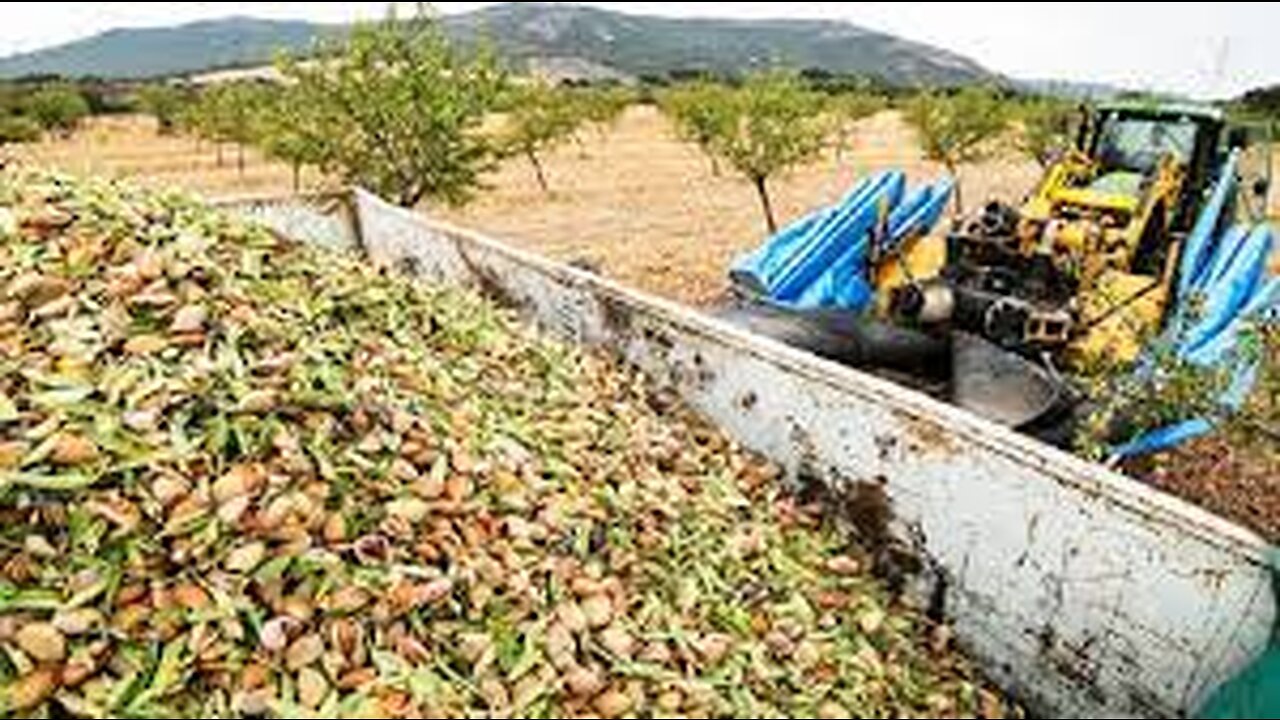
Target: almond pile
<point>239,476</point>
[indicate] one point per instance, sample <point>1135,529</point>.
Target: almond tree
<point>538,118</point>
<point>957,129</point>
<point>400,108</point>
<point>770,124</point>
<point>57,108</point>
<point>699,110</point>
<point>287,130</point>
<point>602,107</point>
<point>224,114</point>
<point>847,110</point>
<point>165,103</point>
<point>1045,130</point>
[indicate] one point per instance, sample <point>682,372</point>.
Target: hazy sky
<point>1205,49</point>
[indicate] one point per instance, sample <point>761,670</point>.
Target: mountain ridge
<point>629,44</point>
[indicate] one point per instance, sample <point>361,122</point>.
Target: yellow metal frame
<point>1099,235</point>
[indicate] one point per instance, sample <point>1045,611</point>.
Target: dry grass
<point>642,206</point>
<point>648,210</point>
<point>130,147</point>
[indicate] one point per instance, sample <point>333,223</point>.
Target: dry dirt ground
<point>650,212</point>
<point>642,206</point>
<point>129,147</point>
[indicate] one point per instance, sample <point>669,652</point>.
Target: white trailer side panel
<point>1082,591</point>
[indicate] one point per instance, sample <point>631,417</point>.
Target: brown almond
<point>242,479</point>
<point>70,449</point>
<point>843,565</point>
<point>335,528</point>
<point>145,344</point>
<point>245,558</point>
<point>612,704</point>
<point>189,319</point>
<point>583,682</point>
<point>313,687</point>
<point>254,676</point>
<point>353,679</point>
<point>11,453</point>
<point>42,641</point>
<point>304,651</point>
<point>598,611</point>
<point>32,689</point>
<point>78,621</point>
<point>618,641</point>
<point>191,596</point>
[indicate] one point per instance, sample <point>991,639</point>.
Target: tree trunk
<point>240,159</point>
<point>537,169</point>
<point>715,165</point>
<point>955,192</point>
<point>297,177</point>
<point>763,191</point>
<point>218,147</point>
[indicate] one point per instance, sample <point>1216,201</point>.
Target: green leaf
<point>8,409</point>
<point>62,482</point>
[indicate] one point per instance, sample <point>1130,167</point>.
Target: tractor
<point>1081,274</point>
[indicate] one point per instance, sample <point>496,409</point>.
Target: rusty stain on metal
<point>926,437</point>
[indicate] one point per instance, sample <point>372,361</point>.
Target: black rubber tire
<point>847,337</point>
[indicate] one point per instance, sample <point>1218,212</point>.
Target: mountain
<point>648,45</point>
<point>176,50</point>
<point>564,35</point>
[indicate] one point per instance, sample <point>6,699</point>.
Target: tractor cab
<point>1127,143</point>
<point>1083,269</point>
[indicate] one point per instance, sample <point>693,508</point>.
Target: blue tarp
<point>821,260</point>
<point>1199,247</point>
<point>1221,291</point>
<point>1230,296</point>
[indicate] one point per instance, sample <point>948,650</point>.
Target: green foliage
<point>1260,102</point>
<point>701,114</point>
<point>769,124</point>
<point>1257,424</point>
<point>957,129</point>
<point>226,114</point>
<point>287,129</point>
<point>165,103</point>
<point>1046,129</point>
<point>57,108</point>
<point>538,118</point>
<point>602,107</point>
<point>847,110</point>
<point>18,129</point>
<point>400,108</point>
<point>1174,390</point>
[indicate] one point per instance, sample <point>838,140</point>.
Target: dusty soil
<point>1241,486</point>
<point>640,205</point>
<point>648,210</point>
<point>128,146</point>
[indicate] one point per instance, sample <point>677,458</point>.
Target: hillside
<point>151,52</point>
<point>525,33</point>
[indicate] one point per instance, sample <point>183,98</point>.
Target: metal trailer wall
<point>1081,591</point>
